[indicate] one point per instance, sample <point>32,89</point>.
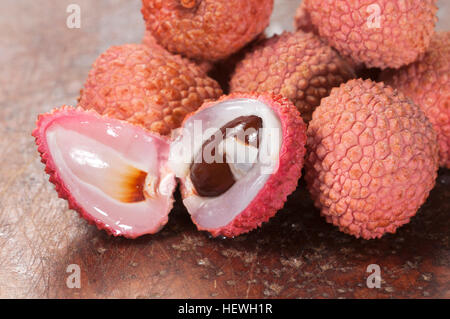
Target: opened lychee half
<point>112,172</point>
<point>237,159</point>
<point>245,157</point>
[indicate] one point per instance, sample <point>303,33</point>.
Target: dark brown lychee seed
<point>214,179</point>
<point>138,186</point>
<point>243,125</point>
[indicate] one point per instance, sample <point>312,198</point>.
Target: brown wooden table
<point>295,255</point>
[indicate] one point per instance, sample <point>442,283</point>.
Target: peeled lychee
<point>427,83</point>
<point>206,29</point>
<point>372,158</point>
<point>260,142</point>
<point>298,66</point>
<point>114,174</point>
<point>143,86</point>
<point>381,33</point>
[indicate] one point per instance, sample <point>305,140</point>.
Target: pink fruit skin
<point>302,20</point>
<point>150,41</point>
<point>297,65</point>
<point>372,158</point>
<point>43,122</point>
<point>402,36</point>
<point>427,83</point>
<point>283,182</point>
<point>206,30</point>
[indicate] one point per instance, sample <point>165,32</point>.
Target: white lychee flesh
<point>116,172</point>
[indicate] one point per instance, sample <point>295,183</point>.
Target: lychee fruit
<point>427,83</point>
<point>237,158</point>
<point>298,66</point>
<point>206,29</point>
<point>111,172</point>
<point>143,86</point>
<point>383,33</point>
<point>372,158</point>
<point>247,159</point>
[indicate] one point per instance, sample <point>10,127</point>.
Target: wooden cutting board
<point>295,255</point>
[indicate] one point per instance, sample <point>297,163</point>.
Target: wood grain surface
<point>295,255</point>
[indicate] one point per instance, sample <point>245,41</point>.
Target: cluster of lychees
<point>372,149</point>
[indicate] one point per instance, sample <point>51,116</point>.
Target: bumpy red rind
<point>297,65</point>
<point>150,41</point>
<point>382,34</point>
<point>372,158</point>
<point>427,83</point>
<point>208,30</point>
<point>284,180</point>
<point>43,122</point>
<point>302,20</point>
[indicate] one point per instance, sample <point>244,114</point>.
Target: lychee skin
<point>427,83</point>
<point>372,158</point>
<point>150,41</point>
<point>298,66</point>
<point>284,180</point>
<point>401,37</point>
<point>206,29</point>
<point>224,69</point>
<point>302,20</point>
<point>135,83</point>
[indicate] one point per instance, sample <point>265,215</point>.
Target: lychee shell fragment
<point>372,158</point>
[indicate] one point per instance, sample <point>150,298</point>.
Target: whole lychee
<point>206,29</point>
<point>372,158</point>
<point>427,83</point>
<point>380,33</point>
<point>298,66</point>
<point>143,86</point>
